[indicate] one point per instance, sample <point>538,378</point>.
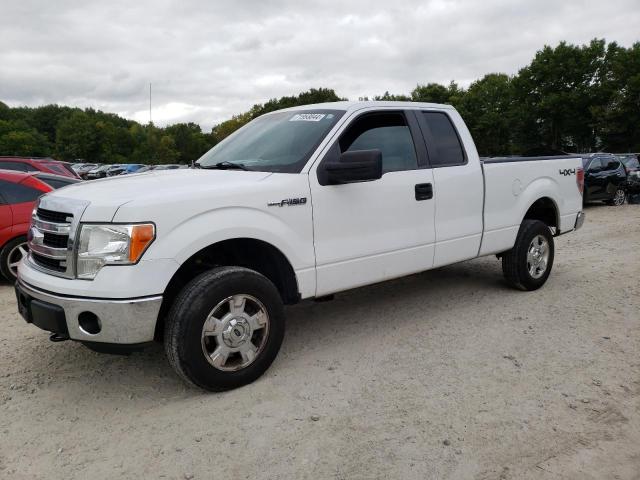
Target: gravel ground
<point>446,374</point>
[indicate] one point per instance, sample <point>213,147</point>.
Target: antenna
<point>149,103</point>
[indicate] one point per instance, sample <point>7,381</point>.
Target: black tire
<point>185,321</point>
<point>4,257</point>
<point>514,262</point>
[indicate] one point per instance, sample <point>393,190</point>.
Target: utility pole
<point>149,103</point>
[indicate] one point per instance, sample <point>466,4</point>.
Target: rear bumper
<point>579,220</point>
<point>121,321</point>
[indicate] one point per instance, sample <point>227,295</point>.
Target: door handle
<point>424,191</point>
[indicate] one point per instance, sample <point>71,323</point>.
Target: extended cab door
<point>372,231</point>
<point>458,185</point>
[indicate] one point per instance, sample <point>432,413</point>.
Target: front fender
<point>195,233</point>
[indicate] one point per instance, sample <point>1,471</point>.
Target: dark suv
<point>605,179</point>
<point>632,166</point>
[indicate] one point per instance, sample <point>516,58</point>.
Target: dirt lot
<point>446,374</point>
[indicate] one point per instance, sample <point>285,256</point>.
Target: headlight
<point>102,245</point>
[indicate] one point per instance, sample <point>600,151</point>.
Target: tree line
<point>570,98</point>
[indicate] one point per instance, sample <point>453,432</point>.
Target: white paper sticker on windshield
<point>307,117</point>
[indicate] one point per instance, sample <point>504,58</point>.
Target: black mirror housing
<point>354,166</point>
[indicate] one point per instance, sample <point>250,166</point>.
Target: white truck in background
<point>297,204</point>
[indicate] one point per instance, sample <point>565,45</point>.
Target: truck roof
<point>357,105</point>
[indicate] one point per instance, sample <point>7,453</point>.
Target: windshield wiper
<point>225,166</point>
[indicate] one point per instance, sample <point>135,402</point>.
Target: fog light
<point>89,323</point>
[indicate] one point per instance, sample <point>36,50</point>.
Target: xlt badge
<point>289,202</point>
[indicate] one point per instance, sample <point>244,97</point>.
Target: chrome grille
<point>52,235</point>
<point>56,217</point>
<point>49,239</point>
<point>49,263</point>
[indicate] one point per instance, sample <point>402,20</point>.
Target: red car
<point>36,164</point>
<point>18,193</point>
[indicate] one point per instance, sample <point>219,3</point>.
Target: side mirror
<point>355,166</point>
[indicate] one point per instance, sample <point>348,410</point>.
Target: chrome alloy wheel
<point>16,254</point>
<point>538,256</point>
<point>235,332</point>
<point>619,197</point>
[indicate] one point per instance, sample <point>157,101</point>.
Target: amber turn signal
<point>141,238</point>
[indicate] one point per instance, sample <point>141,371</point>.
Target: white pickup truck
<point>297,204</point>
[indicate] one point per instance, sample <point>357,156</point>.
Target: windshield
<point>278,142</point>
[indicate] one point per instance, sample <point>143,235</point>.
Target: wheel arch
<point>247,252</point>
<point>546,210</point>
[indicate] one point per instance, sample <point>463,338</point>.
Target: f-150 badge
<point>288,202</point>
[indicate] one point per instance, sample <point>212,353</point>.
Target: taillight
<point>580,179</point>
<point>34,182</point>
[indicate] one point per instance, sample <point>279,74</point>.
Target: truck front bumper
<point>128,321</point>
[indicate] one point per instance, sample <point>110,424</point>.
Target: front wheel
<point>528,264</point>
<point>225,328</point>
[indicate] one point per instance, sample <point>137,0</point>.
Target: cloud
<point>210,60</point>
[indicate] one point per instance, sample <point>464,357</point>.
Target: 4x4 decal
<point>567,171</point>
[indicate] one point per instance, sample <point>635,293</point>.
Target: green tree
<point>190,142</point>
<point>556,96</point>
<point>487,108</point>
<point>77,138</point>
<point>618,112</point>
<point>436,93</point>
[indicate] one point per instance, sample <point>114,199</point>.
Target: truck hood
<point>105,196</point>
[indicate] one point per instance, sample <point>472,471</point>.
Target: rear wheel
<point>225,328</point>
<point>618,198</point>
<point>11,255</point>
<point>528,264</point>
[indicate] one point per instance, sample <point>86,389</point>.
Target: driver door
<point>371,231</point>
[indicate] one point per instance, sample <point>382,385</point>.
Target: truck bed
<point>513,184</point>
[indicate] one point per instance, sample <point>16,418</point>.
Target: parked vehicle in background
<point>85,168</point>
<point>605,179</point>
<point>632,167</point>
<point>98,172</point>
<point>18,193</point>
<point>124,169</point>
<point>37,164</point>
<point>170,166</point>
<point>299,203</point>
<point>146,168</point>
<point>55,181</point>
<point>112,169</point>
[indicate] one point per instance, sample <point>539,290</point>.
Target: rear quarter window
<point>443,143</point>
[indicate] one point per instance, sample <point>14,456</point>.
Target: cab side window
<point>387,132</point>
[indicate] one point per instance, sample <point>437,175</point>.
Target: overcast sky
<point>208,60</point>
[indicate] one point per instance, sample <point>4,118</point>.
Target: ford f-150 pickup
<point>297,204</point>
